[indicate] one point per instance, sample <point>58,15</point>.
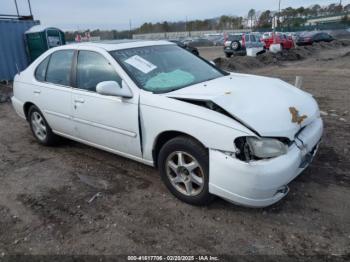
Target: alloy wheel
<point>39,126</point>
<point>185,173</point>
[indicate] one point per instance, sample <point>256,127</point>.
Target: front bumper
<point>263,183</point>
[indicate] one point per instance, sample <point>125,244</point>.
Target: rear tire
<point>184,168</point>
<point>40,128</point>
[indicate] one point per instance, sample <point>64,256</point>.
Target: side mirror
<point>112,88</point>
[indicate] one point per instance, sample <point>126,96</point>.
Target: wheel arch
<point>164,137</point>
<point>26,107</point>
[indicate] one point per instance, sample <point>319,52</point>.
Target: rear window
<point>234,38</point>
<point>40,72</point>
<point>252,38</point>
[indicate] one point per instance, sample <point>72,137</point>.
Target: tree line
<point>255,19</point>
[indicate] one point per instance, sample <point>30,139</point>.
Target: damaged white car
<point>209,132</point>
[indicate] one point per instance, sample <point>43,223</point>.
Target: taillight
<point>243,40</point>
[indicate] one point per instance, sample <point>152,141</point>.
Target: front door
<point>108,122</point>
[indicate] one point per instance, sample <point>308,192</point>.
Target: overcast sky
<point>115,14</point>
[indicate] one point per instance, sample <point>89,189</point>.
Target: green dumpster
<point>39,39</point>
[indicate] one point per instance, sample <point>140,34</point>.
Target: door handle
<point>79,100</point>
<point>36,91</point>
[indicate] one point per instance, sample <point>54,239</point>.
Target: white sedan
<point>210,133</point>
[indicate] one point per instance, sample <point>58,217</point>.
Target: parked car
<point>322,37</point>
<point>209,132</point>
<point>219,41</point>
<point>216,39</point>
<point>237,44</point>
<point>196,42</point>
<point>294,36</point>
<point>314,37</point>
<point>266,35</point>
<point>192,49</point>
<point>278,38</point>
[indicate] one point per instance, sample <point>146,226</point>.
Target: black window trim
<point>36,69</point>
<point>47,66</point>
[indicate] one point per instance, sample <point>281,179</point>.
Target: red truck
<point>277,38</point>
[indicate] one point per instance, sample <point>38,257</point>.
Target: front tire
<point>184,169</point>
<point>40,128</point>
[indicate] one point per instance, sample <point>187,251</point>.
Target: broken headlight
<point>254,148</point>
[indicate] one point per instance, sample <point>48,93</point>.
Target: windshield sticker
<point>141,64</point>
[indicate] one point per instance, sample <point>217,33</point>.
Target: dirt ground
<point>45,191</point>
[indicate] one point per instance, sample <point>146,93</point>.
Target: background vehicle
<point>196,42</point>
<point>294,35</point>
<point>216,39</point>
<point>278,38</point>
<point>192,49</point>
<point>219,41</point>
<point>314,37</point>
<point>237,44</point>
<point>266,35</point>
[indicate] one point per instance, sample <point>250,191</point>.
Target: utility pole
<point>30,8</point>
<point>279,6</point>
<point>16,7</point>
<point>276,19</point>
<point>130,29</point>
<point>279,11</point>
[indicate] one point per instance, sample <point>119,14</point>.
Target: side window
<point>252,38</point>
<point>93,68</point>
<point>40,72</point>
<point>59,69</point>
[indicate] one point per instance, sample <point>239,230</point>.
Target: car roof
<point>119,44</point>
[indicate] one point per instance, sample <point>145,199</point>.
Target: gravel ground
<point>44,206</point>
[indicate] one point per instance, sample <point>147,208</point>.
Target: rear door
<point>53,78</point>
<point>108,122</point>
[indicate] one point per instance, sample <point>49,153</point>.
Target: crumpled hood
<point>261,103</point>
